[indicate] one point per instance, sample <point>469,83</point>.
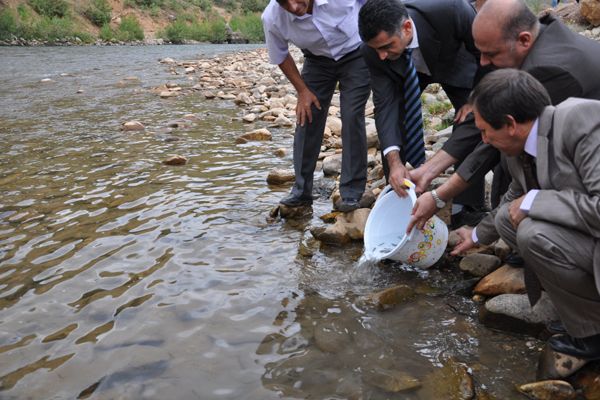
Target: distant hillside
<point>127,20</point>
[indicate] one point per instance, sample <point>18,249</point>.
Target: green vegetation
<point>98,12</point>
<point>199,20</point>
<point>50,8</point>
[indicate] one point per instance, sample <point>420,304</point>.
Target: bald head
<point>504,31</point>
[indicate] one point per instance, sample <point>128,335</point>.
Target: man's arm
<point>306,98</point>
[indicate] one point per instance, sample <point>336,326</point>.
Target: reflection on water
<point>121,277</point>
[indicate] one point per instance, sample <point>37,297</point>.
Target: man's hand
<point>398,173</point>
<point>306,99</point>
<point>515,212</point>
<point>421,177</point>
<point>465,243</point>
<point>423,210</point>
<point>461,114</point>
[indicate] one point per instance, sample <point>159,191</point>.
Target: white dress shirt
<point>331,30</point>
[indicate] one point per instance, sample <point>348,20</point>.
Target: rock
<point>372,137</point>
<point>390,380</point>
<point>294,212</point>
<point>167,93</point>
<point>548,390</point>
<point>209,95</point>
<point>167,61</point>
<point>282,120</point>
<point>47,80</point>
<point>590,10</point>
<point>501,249</point>
<point>452,381</point>
<point>261,134</point>
<point>332,337</point>
<point>190,70</point>
<point>505,279</point>
<point>175,160</point>
<point>587,380</point>
<point>390,297</point>
<point>249,117</point>
<point>243,99</point>
<point>512,312</point>
<point>453,239</point>
<point>132,126</point>
<point>335,125</point>
<point>347,227</point>
<point>479,264</point>
<point>280,152</point>
<point>281,176</point>
<point>332,165</point>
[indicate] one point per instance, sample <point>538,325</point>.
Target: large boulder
<point>590,10</point>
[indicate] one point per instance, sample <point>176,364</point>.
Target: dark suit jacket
<point>568,172</point>
<point>446,43</point>
<point>565,62</point>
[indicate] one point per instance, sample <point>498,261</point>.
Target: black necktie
<point>532,283</point>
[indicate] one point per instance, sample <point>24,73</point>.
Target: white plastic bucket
<point>385,231</point>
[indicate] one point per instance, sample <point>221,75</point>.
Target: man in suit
<point>437,34</point>
<point>328,36</point>
<point>510,36</point>
<point>551,211</point>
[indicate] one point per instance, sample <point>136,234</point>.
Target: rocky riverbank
<point>267,102</point>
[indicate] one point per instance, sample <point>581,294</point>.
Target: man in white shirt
<point>551,212</point>
<point>327,33</point>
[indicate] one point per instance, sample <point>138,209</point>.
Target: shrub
<point>53,29</point>
<point>106,33</point>
<point>250,26</point>
<point>176,32</point>
<point>130,29</point>
<point>252,6</point>
<point>8,24</point>
<point>50,8</point>
<point>98,12</point>
<point>149,3</point>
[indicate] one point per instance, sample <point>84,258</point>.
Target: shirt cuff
<point>474,236</point>
<point>528,201</point>
<point>391,148</point>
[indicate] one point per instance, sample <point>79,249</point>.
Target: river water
<point>123,278</point>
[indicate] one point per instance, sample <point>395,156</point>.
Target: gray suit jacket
<point>446,43</point>
<point>565,62</point>
<point>568,171</point>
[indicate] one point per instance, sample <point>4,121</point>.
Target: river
<point>123,278</point>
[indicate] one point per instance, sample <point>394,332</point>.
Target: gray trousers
<point>321,75</point>
<point>562,258</point>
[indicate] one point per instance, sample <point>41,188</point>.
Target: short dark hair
<point>507,92</point>
<point>281,2</point>
<point>519,19</point>
<point>380,15</point>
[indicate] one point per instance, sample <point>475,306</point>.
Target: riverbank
<point>267,102</point>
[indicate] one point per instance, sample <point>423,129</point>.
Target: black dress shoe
<point>556,327</point>
<point>467,216</point>
<point>347,205</point>
<point>587,348</point>
<point>514,260</point>
<point>296,201</point>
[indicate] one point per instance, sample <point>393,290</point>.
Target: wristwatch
<point>439,203</point>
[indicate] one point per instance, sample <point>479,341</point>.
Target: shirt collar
<point>531,142</point>
<point>414,43</point>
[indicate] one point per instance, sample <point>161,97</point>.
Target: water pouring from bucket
<point>385,232</point>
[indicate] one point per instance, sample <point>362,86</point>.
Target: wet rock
<point>587,380</point>
<point>390,380</point>
<point>331,336</point>
<point>167,93</point>
<point>47,80</point>
<point>280,152</point>
<point>209,95</point>
<point>243,99</point>
<point>501,249</point>
<point>479,264</point>
<point>347,227</point>
<point>453,239</point>
<point>390,297</point>
<point>249,117</point>
<point>132,126</point>
<point>294,212</point>
<point>548,390</point>
<point>261,134</point>
<point>505,279</point>
<point>190,70</point>
<point>168,60</point>
<point>280,176</point>
<point>175,160</point>
<point>512,312</point>
<point>332,165</point>
<point>590,10</point>
<point>452,381</point>
<point>282,120</point>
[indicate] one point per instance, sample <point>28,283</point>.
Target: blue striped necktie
<point>413,120</point>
